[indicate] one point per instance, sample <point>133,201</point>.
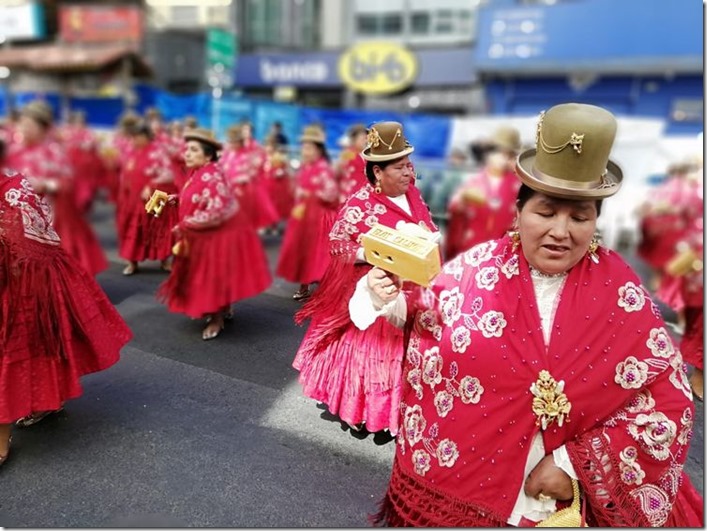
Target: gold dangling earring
<point>377,189</point>
<point>515,238</point>
<point>593,246</point>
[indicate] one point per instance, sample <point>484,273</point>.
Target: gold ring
<point>544,497</point>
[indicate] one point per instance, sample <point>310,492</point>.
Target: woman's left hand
<point>549,480</point>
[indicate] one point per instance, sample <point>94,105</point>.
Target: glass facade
<point>278,24</point>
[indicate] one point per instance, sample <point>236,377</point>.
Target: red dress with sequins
<point>357,374</point>
<point>352,173</point>
<point>143,236</point>
<point>469,413</point>
<point>47,161</point>
<point>472,223</point>
<point>304,255</point>
<point>224,260</point>
<point>56,324</point>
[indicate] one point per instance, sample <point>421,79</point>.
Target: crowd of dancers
<point>375,344</point>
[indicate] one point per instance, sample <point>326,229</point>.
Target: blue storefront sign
<point>600,35</point>
<point>320,70</point>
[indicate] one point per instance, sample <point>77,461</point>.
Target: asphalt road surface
<point>183,432</point>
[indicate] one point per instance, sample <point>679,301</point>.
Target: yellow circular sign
<point>377,67</point>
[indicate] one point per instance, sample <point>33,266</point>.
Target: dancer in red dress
<point>82,149</point>
<point>56,324</point>
<point>304,255</point>
<point>278,177</point>
<point>351,167</point>
<point>147,168</point>
<point>44,162</point>
<point>219,257</point>
<point>356,373</point>
<point>256,196</point>
<point>483,207</point>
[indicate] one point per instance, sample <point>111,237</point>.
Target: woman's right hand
<point>172,199</point>
<point>384,285</point>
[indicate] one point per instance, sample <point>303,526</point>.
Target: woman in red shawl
<point>44,162</point>
<point>483,206</point>
<point>686,268</point>
<point>304,255</point>
<point>82,149</point>
<point>56,324</point>
<point>351,167</point>
<point>219,257</point>
<point>262,209</point>
<point>277,176</point>
<point>512,346</point>
<point>357,374</point>
<point>147,168</point>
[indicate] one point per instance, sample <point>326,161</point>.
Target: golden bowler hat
<point>313,133</point>
<point>571,157</point>
<point>386,141</point>
<point>203,135</point>
<point>40,111</point>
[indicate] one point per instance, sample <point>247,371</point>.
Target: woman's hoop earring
<point>377,188</point>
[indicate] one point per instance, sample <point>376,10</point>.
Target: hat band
<point>564,183</point>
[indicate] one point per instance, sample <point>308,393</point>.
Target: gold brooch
<point>550,402</point>
<point>373,138</point>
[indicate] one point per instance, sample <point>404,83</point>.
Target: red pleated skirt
<point>304,255</point>
<point>223,265</point>
<point>255,201</point>
<point>358,375</point>
<point>77,236</point>
<point>144,236</point>
<point>282,195</point>
<point>60,326</point>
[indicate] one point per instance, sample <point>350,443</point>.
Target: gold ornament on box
<point>550,403</point>
<point>156,203</point>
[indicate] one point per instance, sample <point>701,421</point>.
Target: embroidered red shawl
<point>475,349</point>
<point>206,200</point>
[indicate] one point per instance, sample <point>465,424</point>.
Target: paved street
<point>183,432</point>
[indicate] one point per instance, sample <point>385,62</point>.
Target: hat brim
<point>314,139</point>
<point>366,154</point>
<point>565,189</point>
<point>205,139</point>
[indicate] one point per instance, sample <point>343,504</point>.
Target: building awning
<point>69,59</point>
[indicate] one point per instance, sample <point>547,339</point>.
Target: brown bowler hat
<point>507,138</point>
<point>40,111</point>
<point>313,133</point>
<point>203,135</point>
<point>386,142</point>
<point>571,157</point>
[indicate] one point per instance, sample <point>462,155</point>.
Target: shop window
<point>420,23</point>
<point>367,24</point>
<point>392,24</point>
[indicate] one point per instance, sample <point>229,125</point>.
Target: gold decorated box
<point>409,257</point>
<point>156,203</point>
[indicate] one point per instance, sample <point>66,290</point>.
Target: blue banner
<point>604,35</point>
